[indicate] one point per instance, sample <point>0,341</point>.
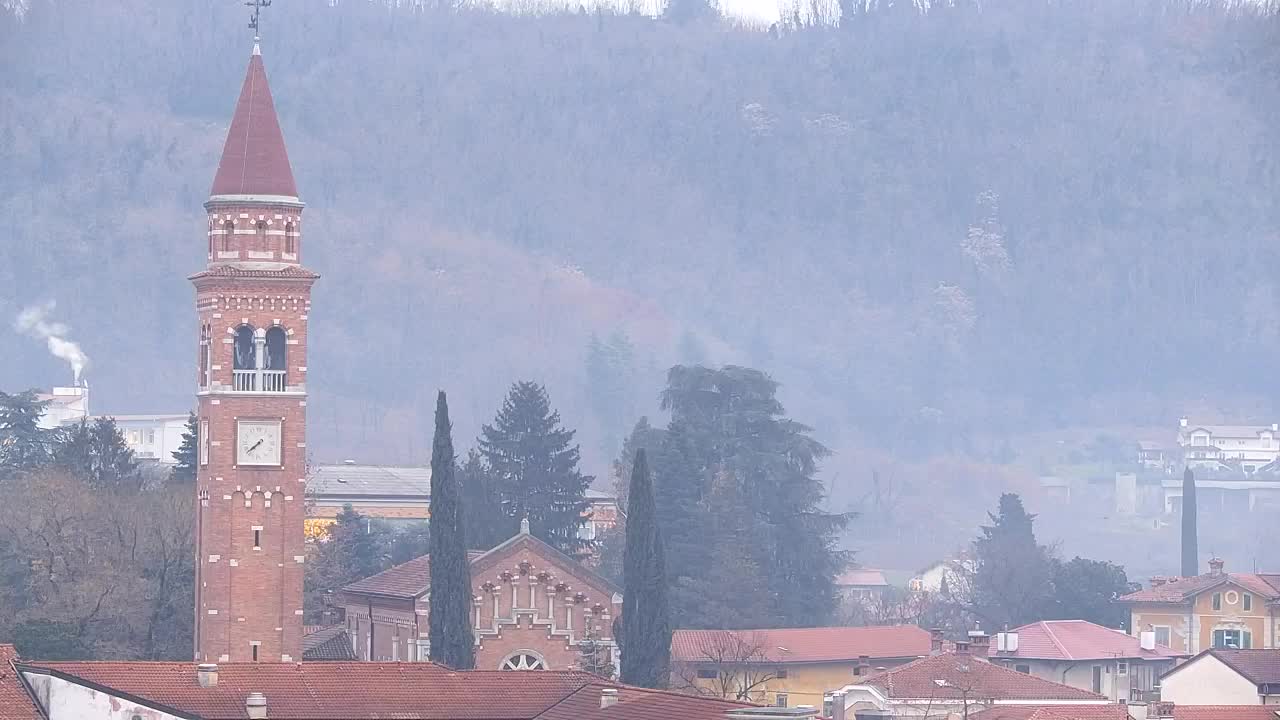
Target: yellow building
<point>788,667</point>
<point>1214,610</point>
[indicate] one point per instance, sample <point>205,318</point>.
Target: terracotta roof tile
<point>861,577</point>
<point>327,643</point>
<point>332,690</point>
<point>639,704</point>
<point>406,580</point>
<point>1224,712</point>
<point>254,160</point>
<point>829,644</point>
<point>1258,666</point>
<point>14,702</point>
<point>1054,712</point>
<point>1080,640</point>
<point>1183,589</point>
<point>972,677</point>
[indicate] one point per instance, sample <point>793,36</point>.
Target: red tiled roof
<point>406,580</point>
<point>639,704</point>
<point>783,645</point>
<point>1080,640</point>
<point>1054,712</point>
<point>326,643</point>
<point>1225,712</point>
<point>332,690</point>
<point>14,702</point>
<point>254,160</point>
<point>245,270</point>
<point>1259,666</point>
<point>1184,589</point>
<point>967,676</point>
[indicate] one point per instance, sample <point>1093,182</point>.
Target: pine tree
<point>97,454</point>
<point>643,435</point>
<point>646,630</point>
<point>24,446</point>
<point>361,544</point>
<point>535,468</point>
<point>486,524</point>
<point>452,640</point>
<point>187,454</point>
<point>1013,584</point>
<point>1190,551</point>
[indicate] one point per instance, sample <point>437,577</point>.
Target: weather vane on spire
<point>257,6</point>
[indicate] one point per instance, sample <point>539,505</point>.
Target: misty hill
<point>937,230</point>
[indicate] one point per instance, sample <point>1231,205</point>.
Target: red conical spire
<point>254,161</point>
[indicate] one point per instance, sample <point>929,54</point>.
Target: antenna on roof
<point>257,6</point>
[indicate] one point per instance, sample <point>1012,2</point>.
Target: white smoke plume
<point>36,322</point>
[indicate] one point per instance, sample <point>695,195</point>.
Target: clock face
<point>258,442</point>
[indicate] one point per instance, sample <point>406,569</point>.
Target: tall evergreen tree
<point>738,434</point>
<point>452,639</point>
<point>535,468</point>
<point>24,446</point>
<point>97,453</point>
<point>679,490</point>
<point>643,435</point>
<point>1013,583</point>
<point>1190,550</point>
<point>486,524</point>
<point>187,454</point>
<point>646,629</point>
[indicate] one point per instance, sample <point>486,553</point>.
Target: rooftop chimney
<point>1147,640</point>
<point>207,675</point>
<point>1215,566</point>
<point>935,641</point>
<point>980,641</point>
<point>962,647</point>
<point>1157,580</point>
<point>1182,422</point>
<point>608,697</point>
<point>255,706</point>
<point>837,705</point>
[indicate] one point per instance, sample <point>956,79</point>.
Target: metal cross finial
<point>257,6</point>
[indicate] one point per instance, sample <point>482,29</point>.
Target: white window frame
<point>1168,634</point>
<point>1122,667</point>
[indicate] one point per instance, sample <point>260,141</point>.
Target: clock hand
<point>255,445</point>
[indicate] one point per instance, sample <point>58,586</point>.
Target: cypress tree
<point>646,630</point>
<point>1190,563</point>
<point>452,641</point>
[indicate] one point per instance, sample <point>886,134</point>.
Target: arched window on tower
<point>274,360</point>
<point>290,240</point>
<point>262,234</point>
<point>228,234</point>
<point>245,360</point>
<point>212,225</point>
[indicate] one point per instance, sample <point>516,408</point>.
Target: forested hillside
<point>934,229</point>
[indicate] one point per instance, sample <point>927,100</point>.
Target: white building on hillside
<point>1248,447</point>
<point>67,406</point>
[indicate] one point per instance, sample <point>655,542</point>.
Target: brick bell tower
<point>252,300</point>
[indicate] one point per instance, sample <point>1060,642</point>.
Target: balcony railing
<point>258,380</point>
<point>245,380</point>
<point>272,381</point>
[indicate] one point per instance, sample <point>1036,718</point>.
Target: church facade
<point>533,608</point>
<point>253,302</point>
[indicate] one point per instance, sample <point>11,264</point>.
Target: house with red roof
<point>1214,610</point>
<point>1088,656</point>
<point>1225,677</point>
<point>786,667</point>
<point>535,609</point>
<point>949,683</point>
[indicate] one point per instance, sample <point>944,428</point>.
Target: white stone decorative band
<point>262,199</point>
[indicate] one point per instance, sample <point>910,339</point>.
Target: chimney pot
<point>837,705</point>
<point>608,697</point>
<point>1182,422</point>
<point>962,647</point>
<point>1216,565</point>
<point>255,706</point>
<point>935,641</point>
<point>207,675</point>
